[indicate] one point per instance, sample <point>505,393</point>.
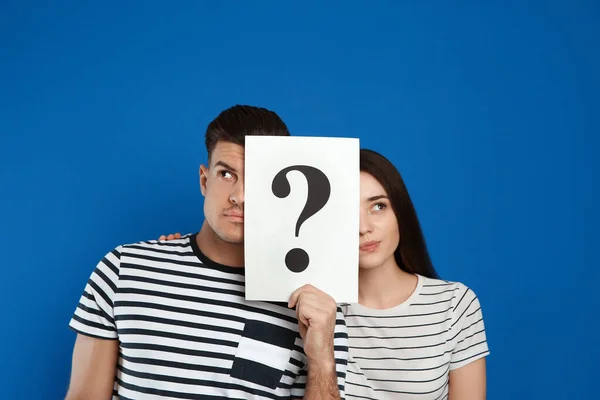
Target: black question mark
<point>319,190</point>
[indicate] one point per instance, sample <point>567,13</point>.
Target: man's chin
<point>229,235</point>
<point>231,238</point>
<point>234,241</point>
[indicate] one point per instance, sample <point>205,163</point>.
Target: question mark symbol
<point>319,190</point>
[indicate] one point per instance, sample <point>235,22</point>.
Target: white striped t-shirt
<point>186,331</point>
<point>407,352</point>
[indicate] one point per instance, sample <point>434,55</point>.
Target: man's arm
<point>316,312</point>
<point>468,382</point>
<point>321,382</point>
<point>96,349</point>
<point>93,368</point>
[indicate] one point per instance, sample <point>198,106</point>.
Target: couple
<point>168,319</point>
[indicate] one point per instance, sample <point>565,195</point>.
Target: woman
<point>412,335</point>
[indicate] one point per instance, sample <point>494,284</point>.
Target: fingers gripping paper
<point>301,216</point>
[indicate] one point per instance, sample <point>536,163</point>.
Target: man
<point>169,319</point>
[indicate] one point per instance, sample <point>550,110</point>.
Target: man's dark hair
<point>234,123</point>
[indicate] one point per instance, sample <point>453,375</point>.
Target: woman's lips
<point>369,247</point>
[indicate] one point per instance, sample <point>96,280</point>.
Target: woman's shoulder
<point>464,319</point>
<point>438,284</point>
<point>456,292</point>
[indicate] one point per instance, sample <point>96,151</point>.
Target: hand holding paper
<point>316,312</point>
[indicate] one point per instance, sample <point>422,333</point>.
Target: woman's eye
<point>379,207</point>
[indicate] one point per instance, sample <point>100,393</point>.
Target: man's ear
<point>203,172</point>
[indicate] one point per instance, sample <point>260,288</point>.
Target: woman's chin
<point>369,262</point>
<point>374,260</point>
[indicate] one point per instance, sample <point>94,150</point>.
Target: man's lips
<point>235,214</point>
<point>369,246</point>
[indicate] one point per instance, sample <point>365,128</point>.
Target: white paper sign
<point>301,216</point>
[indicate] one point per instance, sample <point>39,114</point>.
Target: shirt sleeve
<point>467,331</point>
<point>340,343</point>
<point>94,314</point>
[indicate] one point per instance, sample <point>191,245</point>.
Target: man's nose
<point>237,194</point>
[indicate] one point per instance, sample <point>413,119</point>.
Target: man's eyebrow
<point>225,165</point>
<point>378,197</point>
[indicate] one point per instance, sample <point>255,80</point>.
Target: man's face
<point>222,185</point>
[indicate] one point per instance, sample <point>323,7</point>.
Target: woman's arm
<point>468,382</point>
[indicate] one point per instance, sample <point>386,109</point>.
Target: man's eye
<point>226,174</point>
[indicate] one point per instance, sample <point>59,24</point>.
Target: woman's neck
<point>385,286</point>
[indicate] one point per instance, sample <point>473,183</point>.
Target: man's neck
<point>385,286</point>
<point>217,250</point>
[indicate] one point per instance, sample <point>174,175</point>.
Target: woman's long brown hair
<point>411,254</point>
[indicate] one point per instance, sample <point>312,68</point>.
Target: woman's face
<point>379,233</point>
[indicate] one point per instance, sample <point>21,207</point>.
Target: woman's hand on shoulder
<point>171,236</point>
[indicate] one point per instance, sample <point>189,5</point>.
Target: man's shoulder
<point>179,246</point>
<point>147,250</point>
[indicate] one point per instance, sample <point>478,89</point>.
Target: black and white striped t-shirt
<point>407,352</point>
<point>186,331</point>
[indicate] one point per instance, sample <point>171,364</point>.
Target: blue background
<point>489,110</point>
